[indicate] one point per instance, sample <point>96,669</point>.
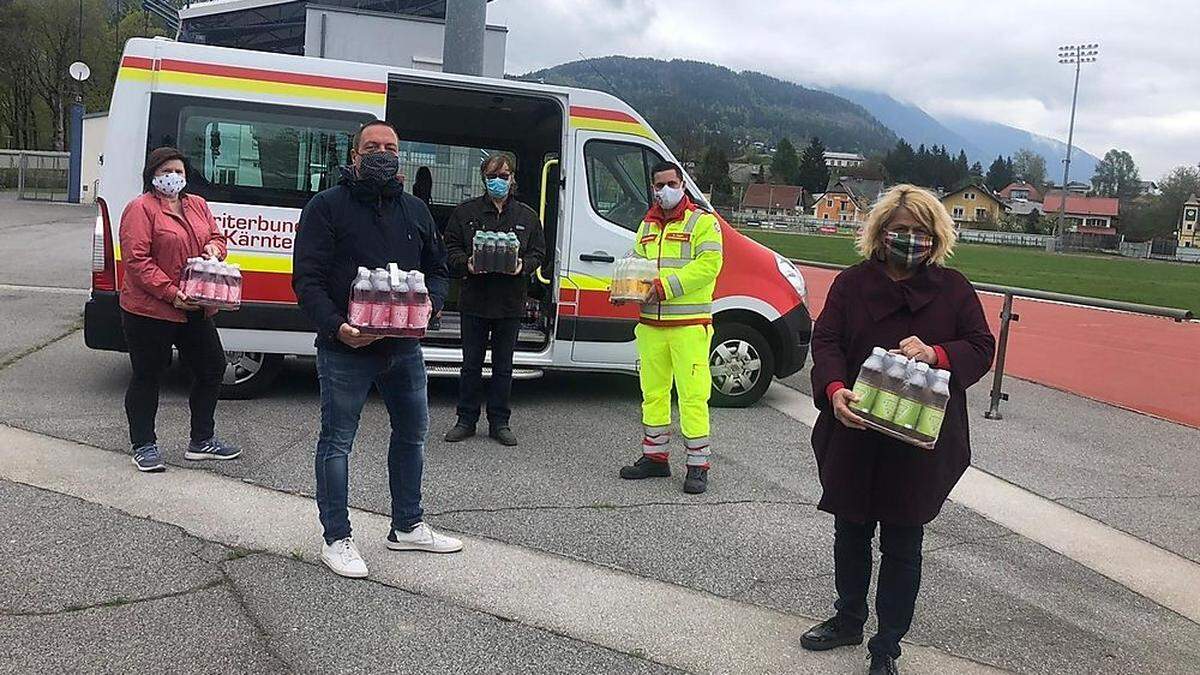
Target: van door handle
<point>598,256</point>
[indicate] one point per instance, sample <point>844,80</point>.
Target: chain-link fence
<point>35,174</point>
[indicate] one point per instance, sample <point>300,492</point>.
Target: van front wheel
<point>249,374</point>
<point>742,365</point>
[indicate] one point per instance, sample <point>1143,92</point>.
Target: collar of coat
<point>885,296</point>
<point>659,217</point>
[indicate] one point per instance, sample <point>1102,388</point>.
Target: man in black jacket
<point>368,221</point>
<point>491,303</point>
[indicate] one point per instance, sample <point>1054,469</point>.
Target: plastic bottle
<point>512,253</point>
<point>360,299</point>
<point>888,398</point>
<point>477,250</point>
<point>870,376</point>
<point>620,282</point>
<point>934,411</point>
<point>398,299</point>
<point>235,287</point>
<point>381,291</point>
<point>420,308</point>
<point>221,285</point>
<point>192,278</point>
<point>912,397</point>
<point>208,285</point>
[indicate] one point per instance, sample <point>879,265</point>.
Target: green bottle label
<point>866,396</point>
<point>930,422</point>
<point>907,413</point>
<point>885,405</point>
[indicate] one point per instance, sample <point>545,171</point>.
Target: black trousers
<point>150,341</point>
<point>477,334</point>
<point>899,579</point>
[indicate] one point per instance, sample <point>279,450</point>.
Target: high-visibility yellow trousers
<point>680,355</point>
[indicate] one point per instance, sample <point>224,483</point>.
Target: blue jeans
<point>346,379</point>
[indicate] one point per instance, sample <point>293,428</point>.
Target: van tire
<point>239,382</point>
<point>742,347</point>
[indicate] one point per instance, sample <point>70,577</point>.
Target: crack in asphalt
<point>619,507</point>
<point>1126,498</point>
<point>260,631</point>
<point>119,601</point>
<point>31,350</point>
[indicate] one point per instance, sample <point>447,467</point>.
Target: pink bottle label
<point>191,286</point>
<point>208,289</point>
<point>221,290</point>
<point>380,314</point>
<point>399,314</point>
<point>235,292</point>
<point>360,313</point>
<point>418,315</point>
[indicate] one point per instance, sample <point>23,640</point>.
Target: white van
<point>264,132</point>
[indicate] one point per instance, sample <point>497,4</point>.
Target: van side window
<point>250,153</point>
<point>618,176</point>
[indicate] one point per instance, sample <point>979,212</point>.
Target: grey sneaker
<point>147,458</point>
<point>211,449</point>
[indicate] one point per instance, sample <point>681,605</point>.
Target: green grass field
<point>1149,282</point>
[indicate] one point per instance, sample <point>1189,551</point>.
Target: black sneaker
<point>831,633</point>
<point>504,435</point>
<point>883,665</point>
<point>645,468</point>
<point>460,432</point>
<point>696,481</point>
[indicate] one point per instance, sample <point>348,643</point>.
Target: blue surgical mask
<point>497,187</point>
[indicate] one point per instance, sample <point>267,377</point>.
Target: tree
<point>1000,174</point>
<point>813,173</point>
<point>1159,216</point>
<point>713,175</point>
<point>785,166</point>
<point>899,162</point>
<point>1117,176</point>
<point>1030,167</point>
<point>976,172</point>
<point>872,169</point>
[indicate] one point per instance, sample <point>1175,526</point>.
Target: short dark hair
<point>667,166</point>
<point>156,159</point>
<point>373,123</point>
<point>493,162</point>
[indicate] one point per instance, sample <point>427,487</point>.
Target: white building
<point>843,160</point>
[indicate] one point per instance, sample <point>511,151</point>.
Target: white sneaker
<point>423,538</point>
<point>343,558</point>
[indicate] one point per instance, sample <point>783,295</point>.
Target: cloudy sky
<point>983,59</point>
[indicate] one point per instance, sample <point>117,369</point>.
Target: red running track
<point>1142,363</point>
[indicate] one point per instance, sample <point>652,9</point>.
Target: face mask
<point>498,187</point>
<point>907,250</point>
<point>668,197</point>
<point>170,184</point>
<point>378,167</point>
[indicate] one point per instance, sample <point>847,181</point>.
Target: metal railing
<point>1007,316</point>
<point>35,174</point>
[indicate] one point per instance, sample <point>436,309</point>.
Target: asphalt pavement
<point>105,585</point>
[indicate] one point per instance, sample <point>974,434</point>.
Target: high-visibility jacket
<point>689,257</point>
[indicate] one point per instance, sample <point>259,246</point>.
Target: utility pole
<point>1076,55</point>
<point>462,46</point>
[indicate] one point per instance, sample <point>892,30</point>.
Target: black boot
<point>696,481</point>
<point>645,468</point>
<point>504,435</point>
<point>883,665</point>
<point>831,633</point>
<point>460,432</point>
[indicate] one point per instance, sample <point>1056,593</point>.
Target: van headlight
<point>793,276</point>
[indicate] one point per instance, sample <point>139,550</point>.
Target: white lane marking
<point>19,288</point>
<point>1148,570</point>
<point>592,603</point>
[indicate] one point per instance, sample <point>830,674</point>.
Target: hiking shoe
<point>696,481</point>
<point>343,558</point>
<point>645,467</point>
<point>460,432</point>
<point>504,435</point>
<point>211,449</point>
<point>883,665</point>
<point>830,633</point>
<point>148,458</point>
<point>422,538</point>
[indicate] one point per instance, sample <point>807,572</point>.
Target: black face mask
<point>379,168</point>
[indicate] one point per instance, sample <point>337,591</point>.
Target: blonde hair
<point>925,208</point>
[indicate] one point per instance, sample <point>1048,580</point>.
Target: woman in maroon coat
<point>902,298</point>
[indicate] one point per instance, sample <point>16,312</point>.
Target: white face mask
<point>170,184</point>
<point>668,197</point>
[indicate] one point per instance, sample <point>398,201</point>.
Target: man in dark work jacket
<point>491,304</point>
<point>368,221</point>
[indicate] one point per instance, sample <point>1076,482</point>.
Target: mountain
<point>689,103</point>
<point>982,141</point>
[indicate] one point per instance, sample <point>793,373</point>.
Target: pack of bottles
<point>632,278</point>
<point>496,252</point>
<point>212,283</point>
<point>390,302</point>
<point>901,397</point>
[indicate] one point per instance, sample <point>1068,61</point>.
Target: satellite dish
<point>80,71</point>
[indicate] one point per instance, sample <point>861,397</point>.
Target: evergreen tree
<point>814,174</point>
<point>785,166</point>
<point>713,175</point>
<point>899,162</point>
<point>999,174</point>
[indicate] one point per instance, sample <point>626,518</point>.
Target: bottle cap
<point>942,374</point>
<point>922,367</point>
<point>879,351</point>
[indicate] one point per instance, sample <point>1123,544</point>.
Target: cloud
<point>994,61</point>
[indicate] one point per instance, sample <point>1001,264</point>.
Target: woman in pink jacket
<point>160,231</point>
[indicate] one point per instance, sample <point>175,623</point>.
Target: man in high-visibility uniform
<point>675,328</point>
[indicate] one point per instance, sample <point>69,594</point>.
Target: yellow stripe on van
<point>585,282</point>
<point>139,74</point>
<point>302,91</point>
<point>249,262</point>
<point>593,124</point>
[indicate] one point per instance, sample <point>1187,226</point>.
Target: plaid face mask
<point>907,250</point>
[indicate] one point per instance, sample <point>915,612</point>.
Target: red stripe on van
<point>137,62</point>
<point>273,76</point>
<point>602,114</point>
